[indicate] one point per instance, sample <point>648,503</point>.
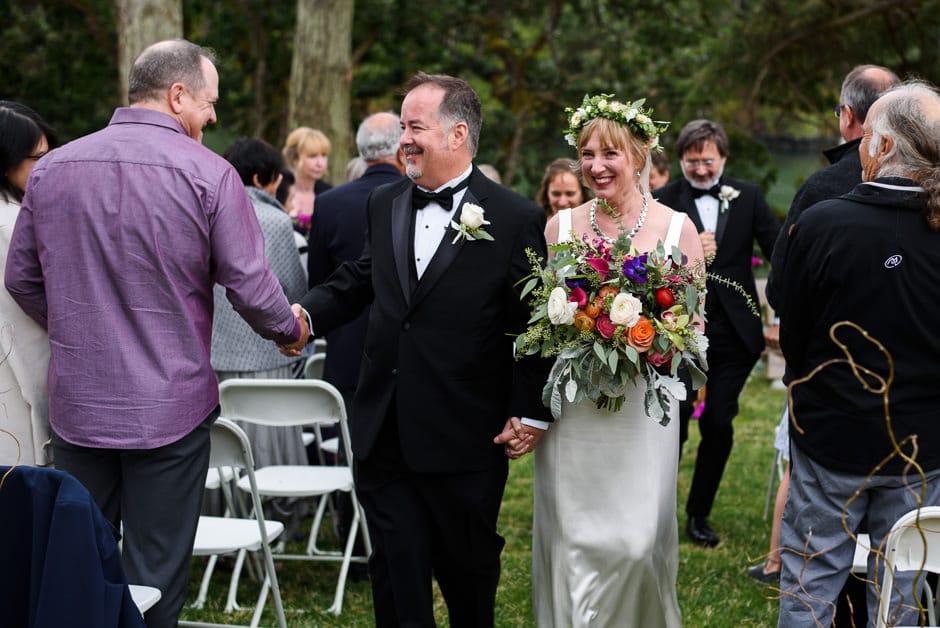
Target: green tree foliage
<point>762,68</point>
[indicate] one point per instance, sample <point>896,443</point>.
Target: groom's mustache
<point>411,150</point>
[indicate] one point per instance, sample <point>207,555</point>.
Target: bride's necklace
<point>631,233</point>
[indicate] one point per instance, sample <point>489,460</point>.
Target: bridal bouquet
<point>609,316</point>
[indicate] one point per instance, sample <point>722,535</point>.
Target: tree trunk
<point>141,23</point>
<point>321,73</point>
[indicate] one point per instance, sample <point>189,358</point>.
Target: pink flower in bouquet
<point>579,296</point>
<point>660,359</point>
<point>601,266</point>
<point>605,326</point>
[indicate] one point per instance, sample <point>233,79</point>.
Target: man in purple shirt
<point>120,239</point>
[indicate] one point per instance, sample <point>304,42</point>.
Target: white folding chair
<point>305,403</point>
<point>223,535</point>
<point>313,369</point>
<point>913,544</point>
<point>144,597</point>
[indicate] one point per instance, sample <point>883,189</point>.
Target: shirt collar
<point>452,182</point>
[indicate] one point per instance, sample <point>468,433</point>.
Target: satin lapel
<point>687,203</point>
<point>445,254</point>
<point>401,221</point>
<point>722,221</point>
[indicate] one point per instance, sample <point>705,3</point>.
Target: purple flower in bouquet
<point>634,268</point>
<point>577,282</point>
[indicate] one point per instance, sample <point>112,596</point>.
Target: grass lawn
<point>713,587</point>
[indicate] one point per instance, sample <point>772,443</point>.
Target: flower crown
<point>632,115</point>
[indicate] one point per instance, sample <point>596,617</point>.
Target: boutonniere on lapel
<point>471,224</point>
<point>727,194</point>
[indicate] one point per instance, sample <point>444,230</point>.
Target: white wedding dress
<point>605,541</point>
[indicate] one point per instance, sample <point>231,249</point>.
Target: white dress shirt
<point>432,221</point>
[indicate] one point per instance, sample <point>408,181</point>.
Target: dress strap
<point>674,231</point>
<point>564,225</point>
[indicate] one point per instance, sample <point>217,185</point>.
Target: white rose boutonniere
<point>727,194</point>
<point>471,224</point>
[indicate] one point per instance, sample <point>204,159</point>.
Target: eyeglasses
<point>838,110</point>
<point>693,164</point>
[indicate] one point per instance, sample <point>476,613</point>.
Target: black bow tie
<point>444,198</point>
<point>712,191</point>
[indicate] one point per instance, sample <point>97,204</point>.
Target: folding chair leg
<point>204,585</point>
<point>337,607</point>
<point>772,484</point>
<point>312,549</point>
<point>231,603</point>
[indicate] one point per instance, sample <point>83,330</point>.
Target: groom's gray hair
<point>460,104</point>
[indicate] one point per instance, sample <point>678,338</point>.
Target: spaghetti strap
<point>674,231</point>
<point>564,225</point>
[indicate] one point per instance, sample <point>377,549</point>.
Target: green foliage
<point>762,68</point>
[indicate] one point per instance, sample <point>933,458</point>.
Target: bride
<point>605,548</point>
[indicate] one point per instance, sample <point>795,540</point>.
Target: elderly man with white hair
<point>862,271</point>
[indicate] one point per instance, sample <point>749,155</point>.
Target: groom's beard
<point>705,186</point>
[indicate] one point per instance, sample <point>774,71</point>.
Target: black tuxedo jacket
<point>440,359</point>
<point>337,235</point>
<point>748,218</point>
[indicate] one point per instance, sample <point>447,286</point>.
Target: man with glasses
<point>729,215</point>
<point>860,89</point>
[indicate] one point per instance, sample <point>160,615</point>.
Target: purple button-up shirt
<point>121,236</point>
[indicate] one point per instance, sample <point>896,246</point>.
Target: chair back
<point>913,544</point>
<point>313,369</point>
<point>284,402</point>
<point>230,446</point>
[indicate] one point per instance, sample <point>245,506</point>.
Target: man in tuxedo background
<point>438,379</point>
<point>730,214</point>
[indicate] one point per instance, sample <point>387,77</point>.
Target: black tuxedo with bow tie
<point>735,334</point>
<point>437,384</point>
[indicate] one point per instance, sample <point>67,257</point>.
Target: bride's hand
<point>518,439</point>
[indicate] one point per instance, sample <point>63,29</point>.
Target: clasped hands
<point>294,349</point>
<point>518,439</point>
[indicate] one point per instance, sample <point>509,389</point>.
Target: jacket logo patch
<point>893,261</point>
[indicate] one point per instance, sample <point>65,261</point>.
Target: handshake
<point>294,348</point>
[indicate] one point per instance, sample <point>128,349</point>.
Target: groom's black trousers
<point>423,524</point>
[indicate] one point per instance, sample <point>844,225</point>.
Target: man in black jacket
<point>862,270</point>
<point>860,89</point>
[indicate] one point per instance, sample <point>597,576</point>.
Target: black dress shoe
<point>767,577</point>
<point>701,533</point>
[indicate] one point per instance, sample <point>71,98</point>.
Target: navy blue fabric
<point>60,560</point>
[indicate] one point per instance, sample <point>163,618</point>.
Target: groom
<point>438,379</point>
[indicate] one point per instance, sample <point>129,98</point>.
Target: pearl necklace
<point>631,233</point>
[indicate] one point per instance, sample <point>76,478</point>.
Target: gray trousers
<point>157,495</point>
<point>817,551</point>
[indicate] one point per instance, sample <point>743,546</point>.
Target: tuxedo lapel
<point>445,254</point>
<point>722,221</point>
<point>401,223</point>
<point>687,204</point>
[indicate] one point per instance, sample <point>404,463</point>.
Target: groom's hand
<point>518,439</point>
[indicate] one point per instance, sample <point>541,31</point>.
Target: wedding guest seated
<point>24,139</point>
